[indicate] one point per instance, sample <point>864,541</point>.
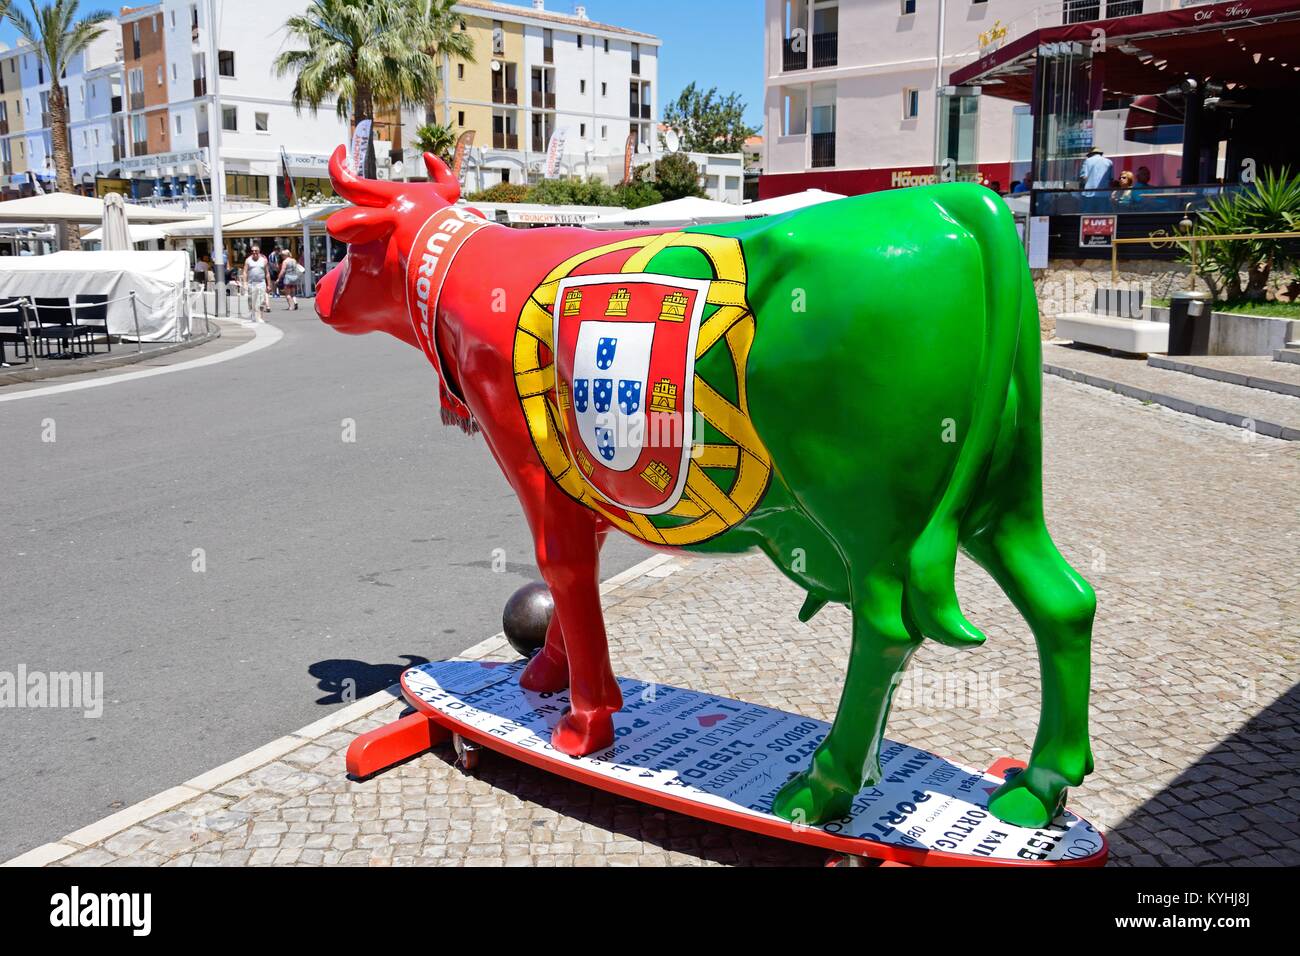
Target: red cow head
<point>365,293</point>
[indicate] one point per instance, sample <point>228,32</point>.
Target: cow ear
<point>361,224</point>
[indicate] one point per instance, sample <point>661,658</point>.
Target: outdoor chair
<point>54,323</point>
<point>12,331</point>
<point>91,319</point>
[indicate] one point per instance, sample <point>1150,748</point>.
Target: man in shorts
<point>257,280</point>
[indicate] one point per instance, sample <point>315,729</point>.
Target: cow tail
<point>931,593</point>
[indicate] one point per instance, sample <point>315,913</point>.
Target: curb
<point>24,376</point>
<point>1225,375</point>
<point>217,777</point>
<point>1261,427</point>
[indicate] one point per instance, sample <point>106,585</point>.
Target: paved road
<point>329,564</point>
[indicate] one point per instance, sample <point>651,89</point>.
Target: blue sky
<point>713,42</point>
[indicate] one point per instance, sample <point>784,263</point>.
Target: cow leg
<point>548,670</point>
<point>849,757</point>
<point>1058,605</point>
<point>567,541</point>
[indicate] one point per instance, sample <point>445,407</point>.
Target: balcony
<point>636,67</point>
<point>548,54</point>
<point>4,127</point>
<point>140,148</point>
<point>826,49</point>
<point>200,86</point>
<point>543,101</point>
<point>505,140</point>
<point>508,96</point>
<point>792,59</point>
<point>823,149</point>
<point>118,152</point>
<point>137,101</point>
<point>203,138</point>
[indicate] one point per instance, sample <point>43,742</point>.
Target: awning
<point>138,234</point>
<point>283,222</point>
<point>1256,42</point>
<point>74,208</point>
<point>687,211</point>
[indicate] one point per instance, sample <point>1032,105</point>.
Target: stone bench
<point>1123,335</point>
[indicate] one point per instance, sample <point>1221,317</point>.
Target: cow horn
<point>360,192</point>
<point>442,176</point>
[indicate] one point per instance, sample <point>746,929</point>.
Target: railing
<point>634,109</point>
<point>4,127</point>
<point>543,100</point>
<point>140,148</point>
<point>792,59</point>
<point>505,140</point>
<point>1107,201</point>
<point>509,95</point>
<point>823,149</point>
<point>548,54</point>
<point>1190,239</point>
<point>826,49</point>
<point>200,86</point>
<point>1054,13</point>
<point>137,101</point>
<point>118,152</point>
<point>203,138</point>
<point>636,67</point>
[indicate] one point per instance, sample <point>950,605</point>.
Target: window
<point>247,187</point>
<point>606,44</point>
<point>794,111</point>
<point>582,129</point>
<point>604,132</point>
<point>162,125</point>
<point>173,19</point>
<point>261,122</point>
<point>460,71</point>
<point>175,74</point>
<point>179,126</point>
<point>604,88</point>
<point>582,86</point>
<point>160,75</point>
<point>96,131</point>
<point>909,6</point>
<point>911,103</point>
<point>225,62</point>
<point>135,40</point>
<point>460,118</point>
<point>229,119</point>
<point>579,41</point>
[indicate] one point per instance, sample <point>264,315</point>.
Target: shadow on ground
<point>344,681</point>
<point>1238,804</point>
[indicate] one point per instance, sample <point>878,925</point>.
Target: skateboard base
<point>723,760</point>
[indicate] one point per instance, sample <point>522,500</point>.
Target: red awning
<point>1255,42</point>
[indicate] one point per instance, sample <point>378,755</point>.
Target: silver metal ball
<point>526,617</point>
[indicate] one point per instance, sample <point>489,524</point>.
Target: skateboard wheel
<point>466,753</point>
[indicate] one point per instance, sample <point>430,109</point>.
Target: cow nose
<point>325,294</point>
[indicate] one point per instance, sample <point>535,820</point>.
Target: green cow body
<point>896,384</point>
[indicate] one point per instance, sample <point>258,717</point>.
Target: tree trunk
<point>364,109</point>
<point>62,152</point>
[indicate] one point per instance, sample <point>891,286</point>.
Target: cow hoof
<point>1015,802</point>
<point>807,800</point>
<point>579,734</point>
<point>544,675</point>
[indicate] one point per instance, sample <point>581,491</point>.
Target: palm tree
<point>443,37</point>
<point>361,54</point>
<point>57,35</point>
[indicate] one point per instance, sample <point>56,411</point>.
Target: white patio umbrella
<point>687,211</point>
<point>115,236</point>
<point>788,203</point>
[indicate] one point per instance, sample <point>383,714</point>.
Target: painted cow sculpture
<point>852,388</point>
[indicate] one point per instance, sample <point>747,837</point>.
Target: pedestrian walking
<point>257,279</point>
<point>289,277</point>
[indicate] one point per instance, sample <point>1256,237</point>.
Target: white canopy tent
<point>779,204</point>
<point>138,234</point>
<point>202,227</point>
<point>687,211</point>
<point>72,208</point>
<point>158,280</point>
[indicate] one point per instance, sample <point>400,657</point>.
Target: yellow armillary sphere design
<point>705,509</point>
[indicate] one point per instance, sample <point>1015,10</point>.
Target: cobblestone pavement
<point>1192,393</point>
<point>1189,534</point>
